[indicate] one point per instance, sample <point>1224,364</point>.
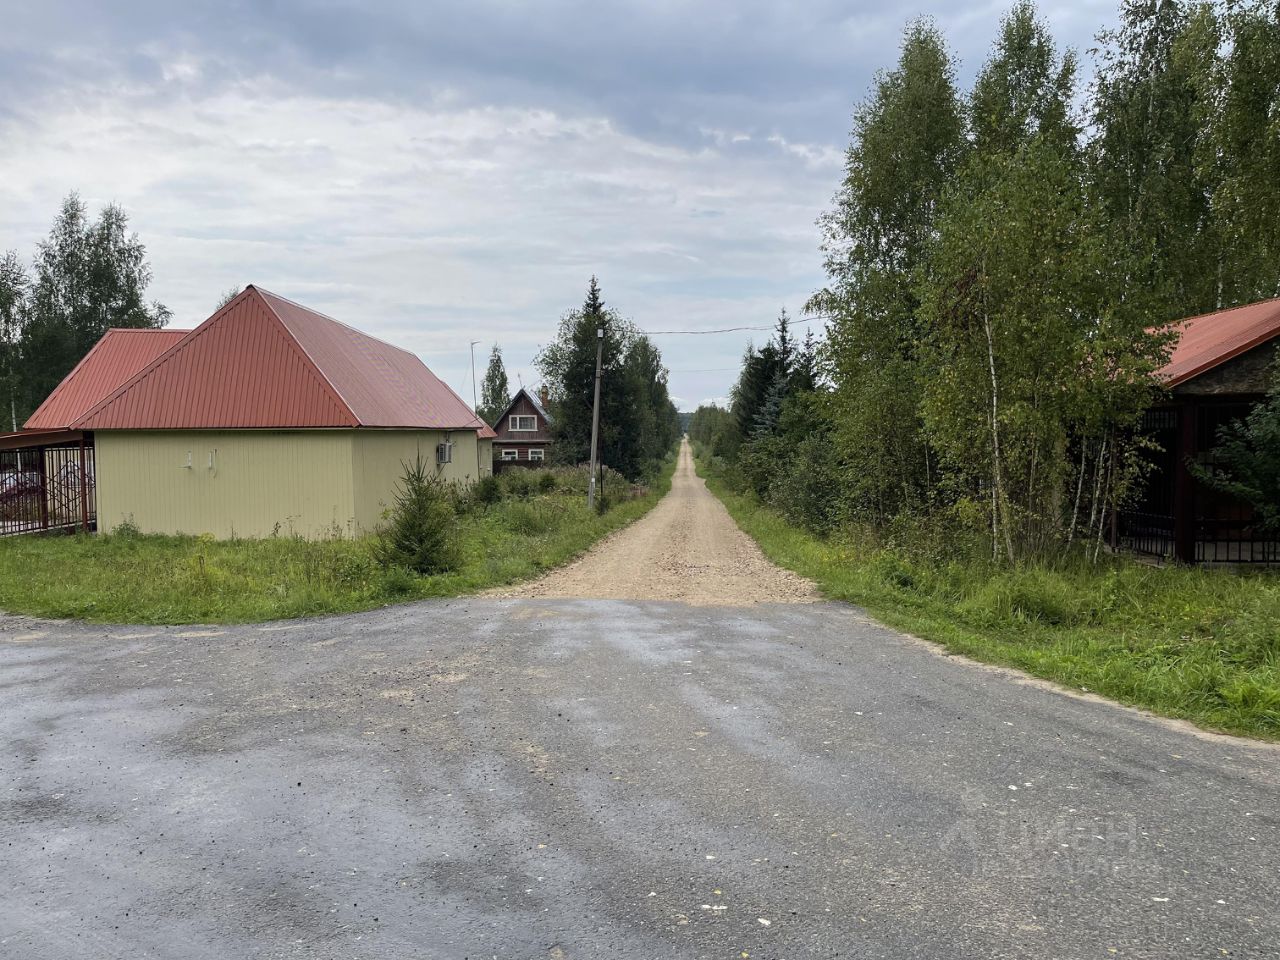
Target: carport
<point>46,481</point>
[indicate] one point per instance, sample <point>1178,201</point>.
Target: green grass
<point>1201,645</point>
<point>123,578</point>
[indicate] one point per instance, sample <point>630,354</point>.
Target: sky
<point>441,173</point>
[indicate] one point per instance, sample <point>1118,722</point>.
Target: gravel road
<point>686,548</point>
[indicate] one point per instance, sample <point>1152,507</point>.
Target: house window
<point>523,424</point>
<point>535,454</point>
<point>510,454</point>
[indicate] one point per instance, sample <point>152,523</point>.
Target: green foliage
<point>88,276</point>
<point>1029,356</point>
<point>1147,109</point>
<point>421,532</point>
<point>486,491</point>
<point>1190,643</point>
<point>127,577</point>
<point>908,141</point>
<point>495,392</point>
<point>715,430</point>
<point>13,294</point>
<point>638,421</point>
<point>1246,461</point>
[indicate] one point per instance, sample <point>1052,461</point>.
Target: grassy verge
<point>129,578</point>
<point>1200,645</point>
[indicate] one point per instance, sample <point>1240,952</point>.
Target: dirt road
<point>687,548</point>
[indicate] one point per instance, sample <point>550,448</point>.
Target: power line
<point>793,323</point>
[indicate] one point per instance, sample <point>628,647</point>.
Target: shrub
<point>422,530</point>
<point>547,482</point>
<point>806,487</point>
<point>517,483</point>
<point>486,491</point>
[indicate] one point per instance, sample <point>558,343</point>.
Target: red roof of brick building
<point>1212,339</point>
<point>264,362</point>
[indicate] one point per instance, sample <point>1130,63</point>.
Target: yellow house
<point>270,418</point>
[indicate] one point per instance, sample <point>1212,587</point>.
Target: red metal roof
<point>113,360</point>
<point>265,362</point>
<point>1211,339</point>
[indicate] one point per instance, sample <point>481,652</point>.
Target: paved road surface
<point>600,778</point>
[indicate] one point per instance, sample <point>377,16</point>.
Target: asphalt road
<point>590,779</point>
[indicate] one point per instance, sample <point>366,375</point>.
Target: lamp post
<point>595,421</point>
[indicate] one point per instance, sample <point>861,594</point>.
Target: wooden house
<point>523,432</point>
<point>1221,367</point>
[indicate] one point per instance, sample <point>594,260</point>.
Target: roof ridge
<point>70,373</point>
<point>193,335</point>
<point>355,330</point>
<point>292,338</point>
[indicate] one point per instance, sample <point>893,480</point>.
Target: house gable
<point>522,405</point>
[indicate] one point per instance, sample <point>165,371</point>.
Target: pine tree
<point>495,391</point>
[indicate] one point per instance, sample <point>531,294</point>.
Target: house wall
<point>380,456</point>
<point>312,483</point>
<point>261,482</point>
<point>522,453</point>
<point>1249,375</point>
<point>522,407</point>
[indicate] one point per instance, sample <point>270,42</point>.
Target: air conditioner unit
<point>444,452</point>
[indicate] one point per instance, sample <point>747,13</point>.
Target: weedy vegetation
<point>1196,644</point>
<point>437,541</point>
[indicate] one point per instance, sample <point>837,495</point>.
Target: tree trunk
<point>1000,507</point>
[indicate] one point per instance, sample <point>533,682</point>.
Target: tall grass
<point>1203,645</point>
<point>124,577</point>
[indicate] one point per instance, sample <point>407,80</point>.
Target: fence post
<point>84,490</point>
<point>41,454</point>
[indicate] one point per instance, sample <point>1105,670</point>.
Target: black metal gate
<point>47,488</point>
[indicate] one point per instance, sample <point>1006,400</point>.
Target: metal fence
<point>1224,529</point>
<point>47,488</point>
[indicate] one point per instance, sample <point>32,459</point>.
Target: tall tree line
<point>1002,267</point>
<point>638,422</point>
<point>87,276</point>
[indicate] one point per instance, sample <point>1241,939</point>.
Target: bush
<point>486,491</point>
<point>806,488</point>
<point>516,483</point>
<point>422,530</point>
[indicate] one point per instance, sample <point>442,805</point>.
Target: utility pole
<point>595,421</point>
<point>475,403</point>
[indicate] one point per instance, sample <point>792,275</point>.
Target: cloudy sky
<point>437,173</point>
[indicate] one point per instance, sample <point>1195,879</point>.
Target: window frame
<point>541,454</point>
<point>517,418</point>
<point>503,458</point>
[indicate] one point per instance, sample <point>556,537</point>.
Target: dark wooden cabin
<point>523,433</point>
<point>1221,367</point>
